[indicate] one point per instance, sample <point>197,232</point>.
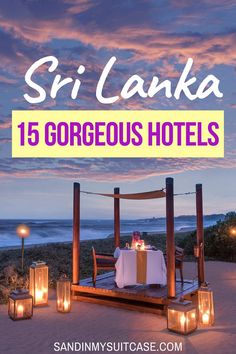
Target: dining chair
<point>102,261</point>
<point>179,260</point>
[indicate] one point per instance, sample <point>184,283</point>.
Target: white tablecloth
<point>126,268</point>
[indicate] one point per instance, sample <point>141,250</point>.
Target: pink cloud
<point>145,43</point>
<point>5,141</point>
<point>5,124</point>
<point>108,169</point>
<point>6,80</point>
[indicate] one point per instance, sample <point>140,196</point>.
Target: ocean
<point>49,231</point>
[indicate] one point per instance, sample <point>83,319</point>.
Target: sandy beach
<point>97,323</point>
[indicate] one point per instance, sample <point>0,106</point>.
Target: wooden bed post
<point>117,218</point>
<point>200,234</point>
<point>170,238</point>
<point>76,235</point>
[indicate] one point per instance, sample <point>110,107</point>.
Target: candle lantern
<point>182,317</point>
<point>20,305</point>
<point>63,295</point>
<point>205,306</point>
<point>39,283</point>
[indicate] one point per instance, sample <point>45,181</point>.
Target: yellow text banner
<point>164,134</point>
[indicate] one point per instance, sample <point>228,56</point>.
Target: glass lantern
<point>182,317</point>
<point>63,295</point>
<point>205,306</point>
<point>39,283</point>
<point>20,305</point>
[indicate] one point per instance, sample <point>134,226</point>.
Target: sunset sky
<point>148,38</point>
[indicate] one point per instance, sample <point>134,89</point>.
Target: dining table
<point>135,267</point>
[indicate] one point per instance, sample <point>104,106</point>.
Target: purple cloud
<point>106,169</point>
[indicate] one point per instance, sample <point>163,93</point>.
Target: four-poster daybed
<point>139,297</point>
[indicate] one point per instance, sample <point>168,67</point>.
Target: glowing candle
<point>20,311</point>
<point>142,245</point>
<point>39,295</point>
<point>66,305</point>
<point>182,322</point>
<point>205,318</point>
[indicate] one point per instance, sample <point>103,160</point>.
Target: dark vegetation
<point>220,240</point>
